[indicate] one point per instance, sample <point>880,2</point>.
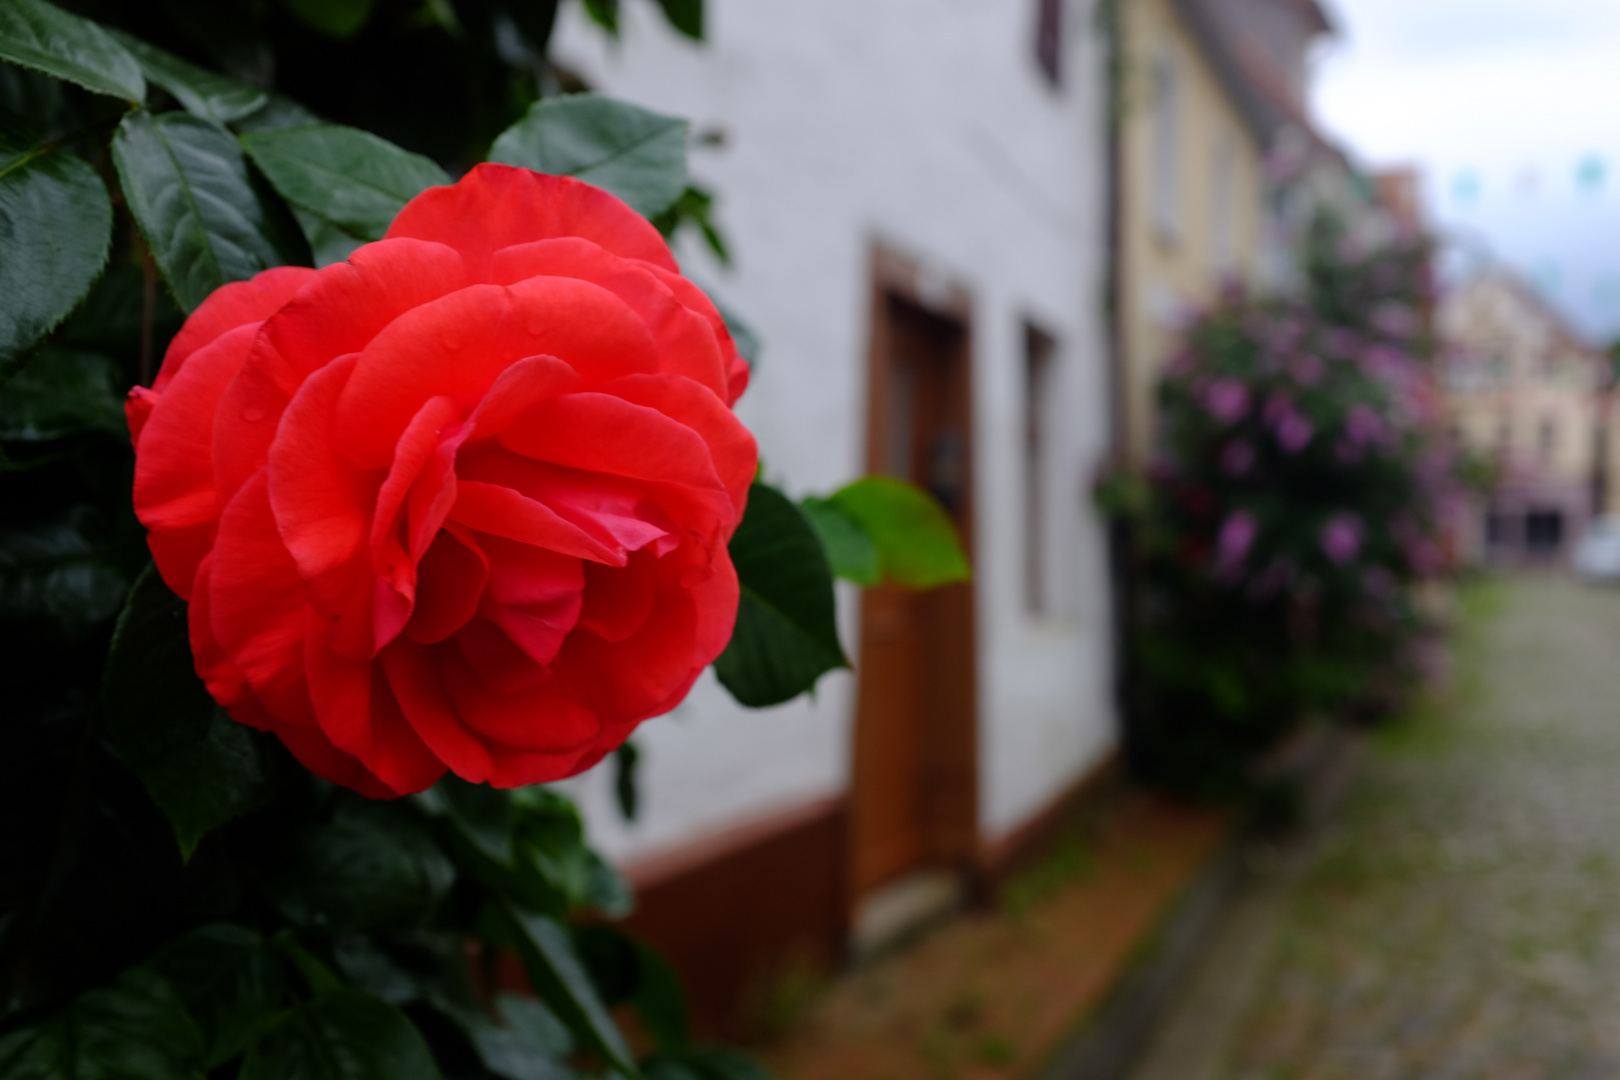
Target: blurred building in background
<point>1526,394</point>
<point>914,194</point>
<point>1221,171</point>
<point>929,204</point>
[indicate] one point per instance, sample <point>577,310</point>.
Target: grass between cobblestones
<point>1461,918</point>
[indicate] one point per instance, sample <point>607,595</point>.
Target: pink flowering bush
<point>1296,499</point>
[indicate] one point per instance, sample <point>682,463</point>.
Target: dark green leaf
<point>693,207</point>
<point>372,866</point>
<point>200,766</point>
<point>279,112</point>
<point>327,243</point>
<point>204,784</point>
<point>637,154</point>
<point>342,1035</point>
<point>704,1063</point>
<point>62,392</point>
<point>481,813</point>
<point>786,635</point>
<point>187,184</point>
<point>606,890</point>
<point>334,18</point>
<point>229,980</point>
<point>850,551</point>
<point>625,970</point>
<point>44,37</point>
<point>54,572</point>
<point>604,13</point>
<point>742,335</point>
<point>136,1027</point>
<point>153,703</point>
<point>529,1043</point>
<point>55,229</point>
<point>350,177</point>
<point>685,16</point>
<point>916,543</point>
<point>625,790</point>
<point>558,976</point>
<point>199,91</point>
<point>36,100</point>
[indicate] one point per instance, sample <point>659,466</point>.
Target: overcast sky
<point>1511,110</point>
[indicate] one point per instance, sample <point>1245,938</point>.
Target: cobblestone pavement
<point>1461,919</point>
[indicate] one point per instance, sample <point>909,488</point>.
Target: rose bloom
<point>460,502</point>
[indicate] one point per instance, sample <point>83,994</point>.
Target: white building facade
<point>913,192</point>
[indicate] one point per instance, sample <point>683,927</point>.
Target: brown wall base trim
<point>742,910</point>
<point>1040,833</point>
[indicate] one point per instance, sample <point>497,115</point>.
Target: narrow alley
<point>1458,917</point>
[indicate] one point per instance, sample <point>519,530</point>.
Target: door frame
<point>951,770</point>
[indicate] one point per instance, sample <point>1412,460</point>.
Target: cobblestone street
<point>1461,916</point>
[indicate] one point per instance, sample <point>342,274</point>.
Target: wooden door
<point>915,777</point>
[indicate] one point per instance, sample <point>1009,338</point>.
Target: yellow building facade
<point>1192,197</point>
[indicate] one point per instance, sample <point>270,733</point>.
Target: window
<point>1040,352</point>
<point>1049,40</point>
<point>1166,187</point>
<point>1549,436</point>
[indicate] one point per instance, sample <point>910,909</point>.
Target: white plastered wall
<point>924,124</point>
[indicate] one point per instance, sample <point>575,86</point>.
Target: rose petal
<point>501,511</point>
<point>459,345</point>
<point>360,715</point>
<point>686,341</point>
<point>495,206</point>
<point>533,595</point>
<point>449,583</point>
<point>227,307</point>
<point>731,445</point>
<point>338,311</point>
<point>258,607</point>
<point>415,681</point>
<point>174,481</point>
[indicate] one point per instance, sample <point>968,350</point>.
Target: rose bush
<point>460,502</point>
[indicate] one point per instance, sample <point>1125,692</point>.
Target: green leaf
<point>557,975</point>
<point>187,183</point>
<point>200,766</point>
<point>54,572</point>
<point>335,18</point>
<point>55,232</point>
<point>341,1035</point>
<point>373,866</point>
<point>199,91</point>
<point>327,242</point>
<point>44,37</point>
<point>636,154</point>
<point>279,112</point>
<point>704,1063</point>
<point>530,1043</point>
<point>786,635</point>
<point>153,703</point>
<point>206,783</point>
<point>481,813</point>
<point>604,13</point>
<point>685,16</point>
<point>625,970</point>
<point>62,392</point>
<point>625,789</point>
<point>852,554</point>
<point>693,207</point>
<point>352,178</point>
<point>229,981</point>
<point>135,1027</point>
<point>917,545</point>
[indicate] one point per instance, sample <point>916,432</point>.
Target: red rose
<point>459,502</point>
